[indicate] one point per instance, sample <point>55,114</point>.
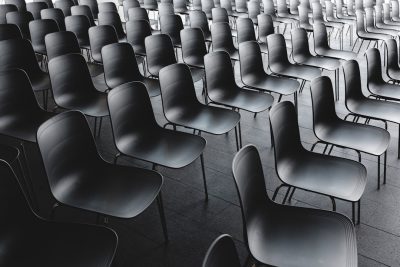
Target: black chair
<point>279,63</point>
<point>222,252</point>
<point>38,30</point>
<point>85,11</point>
<point>45,243</point>
<point>222,39</point>
<point>138,13</point>
<point>100,36</point>
<point>241,6</point>
<point>331,130</point>
<point>360,106</point>
<point>245,32</point>
<point>113,19</point>
<point>198,19</point>
<point>79,25</point>
<point>220,14</point>
<point>180,7</point>
<point>278,235</point>
<point>222,89</point>
<point>206,7</point>
<point>65,6</point>
<point>48,2</point>
<point>299,168</point>
<point>92,4</point>
<point>149,141</point>
<point>171,25</point>
<point>127,4</point>
<point>265,28</point>
<point>54,14</point>
<point>21,19</point>
<point>392,60</point>
<point>253,75</point>
<point>20,4</point>
<point>61,43</point>
<point>35,8</point>
<point>107,7</point>
<point>150,5</point>
<point>136,33</point>
<point>4,9</point>
<point>19,54</point>
<point>9,31</point>
<point>70,156</point>
<point>193,51</point>
<point>120,67</point>
<point>182,108</point>
<point>73,88</point>
<point>165,9</point>
<point>227,5</point>
<point>159,53</point>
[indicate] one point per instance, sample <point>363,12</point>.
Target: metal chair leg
<point>204,176</point>
<point>379,172</point>
<point>162,216</point>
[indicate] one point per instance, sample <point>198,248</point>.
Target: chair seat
<point>204,118</point>
<point>109,189</point>
<point>388,26</point>
<point>94,105</point>
<point>152,86</point>
<point>320,62</point>
<point>394,73</point>
<point>40,49</point>
<point>242,99</point>
<point>336,53</point>
<point>373,36</point>
<point>387,111</point>
<point>271,83</point>
<point>338,177</point>
<point>95,69</point>
<point>386,90</point>
<point>291,236</point>
<point>365,138</point>
<point>53,244</point>
<point>383,31</point>
<point>197,74</point>
<point>233,53</point>
<point>296,71</point>
<point>100,83</point>
<point>164,147</point>
<point>40,81</point>
<point>139,50</point>
<point>288,16</point>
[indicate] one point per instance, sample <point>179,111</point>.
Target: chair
<point>85,11</point>
<point>136,33</point>
<point>282,11</point>
<point>159,53</point>
<point>206,7</point>
<point>224,91</point>
<point>387,16</point>
<point>45,243</point>
<point>245,32</point>
<point>149,141</point>
<point>379,21</point>
<point>254,9</point>
<point>48,2</point>
<point>120,67</point>
<point>360,106</point>
<point>222,252</point>
<point>21,19</point>
<point>304,21</point>
<point>127,4</point>
<point>222,39</point>
<point>253,75</point>
<point>180,7</point>
<point>54,14</point>
<point>150,5</point>
<point>279,235</point>
<point>100,36</point>
<point>38,30</point>
<point>165,9</point>
<point>330,129</point>
<point>35,8</point>
<point>198,19</point>
<point>265,28</point>
<point>330,17</point>
<point>79,25</point>
<point>70,157</point>
<point>193,51</point>
<point>171,25</point>
<point>395,10</point>
<point>107,7</point>
<point>92,4</point>
<point>280,65</point>
<point>196,5</point>
<point>227,5</point>
<point>20,4</point>
<point>392,60</point>
<point>219,14</point>
<point>65,6</point>
<point>241,6</point>
<point>4,9</point>
<point>113,19</point>
<point>182,108</point>
<point>9,31</point>
<point>371,27</point>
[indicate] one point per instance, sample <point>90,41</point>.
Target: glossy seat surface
<point>21,19</point>
<point>181,106</point>
<point>80,178</point>
<point>9,31</point>
<point>222,39</point>
<point>100,36</point>
<point>160,53</point>
<point>279,235</point>
<point>38,30</point>
<point>136,33</point>
<point>392,56</point>
<point>55,14</point>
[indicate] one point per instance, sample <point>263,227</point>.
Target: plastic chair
<point>38,30</point>
<point>54,14</point>
<point>113,19</point>
<point>48,2</point>
<point>198,19</point>
<point>9,31</point>
<point>193,51</point>
<point>85,11</point>
<point>20,4</point>
<point>65,6</point>
<point>222,40</point>
<point>107,7</point>
<point>127,4</point>
<point>79,25</point>
<point>159,53</point>
<point>136,33</point>
<point>92,4</point>
<point>61,43</point>
<point>4,9</point>
<point>206,7</point>
<point>21,19</point>
<point>171,25</point>
<point>392,60</point>
<point>35,8</point>
<point>100,36</point>
<point>222,252</point>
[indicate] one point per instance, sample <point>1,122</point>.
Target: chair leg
<point>359,212</point>
<point>333,203</point>
<point>398,144</point>
<point>240,135</point>
<point>162,216</point>
<point>27,177</point>
<point>353,208</point>
<point>237,139</point>
<point>337,84</point>
<point>100,122</point>
<point>53,210</point>
<point>204,176</point>
<point>384,167</point>
<point>277,190</point>
<point>286,195</point>
<point>116,157</point>
<point>291,195</point>
<point>379,172</point>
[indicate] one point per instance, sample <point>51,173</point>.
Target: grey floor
<point>194,223</point>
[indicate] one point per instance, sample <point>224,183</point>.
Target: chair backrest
<point>227,5</point>
<point>392,54</point>
<point>250,59</point>
<point>378,14</point>
<point>352,81</point>
<point>323,102</point>
<point>177,88</point>
<point>79,24</point>
<point>198,19</point>
<point>150,4</point>
<point>120,64</point>
<point>293,6</point>
<point>300,47</point>
<point>281,8</point>
<point>222,252</point>
<point>48,2</point>
<point>217,65</point>
<point>136,33</point>
<point>180,5</point>
<point>92,4</point>
<point>54,14</point>
<point>107,7</point>
<point>386,12</point>
<point>165,9</point>
<point>35,8</point>
<point>20,4</point>
<point>4,9</point>
<point>9,31</point>
<point>339,7</point>
<point>100,36</point>
<point>320,36</point>
<point>245,30</point>
<point>350,7</point>
<point>193,46</point>
<point>219,14</point>
<point>265,26</point>
<point>21,19</point>
<point>330,15</point>
<point>61,43</point>
<point>113,19</point>
<point>159,52</point>
<point>359,5</point>
<point>241,6</point>
<point>254,9</point>
<point>317,12</point>
<point>84,11</point>
<point>65,6</point>
<point>67,146</point>
<point>395,8</point>
<point>171,25</point>
<point>127,4</point>
<point>360,27</point>
<point>269,7</point>
<point>369,18</point>
<point>70,78</point>
<point>285,132</point>
<point>277,53</point>
<point>207,6</point>
<point>138,13</point>
<point>374,66</point>
<point>131,112</point>
<point>303,16</point>
<point>38,30</point>
<point>196,5</point>
<point>221,35</point>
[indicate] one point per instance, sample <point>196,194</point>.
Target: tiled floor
<point>194,223</point>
